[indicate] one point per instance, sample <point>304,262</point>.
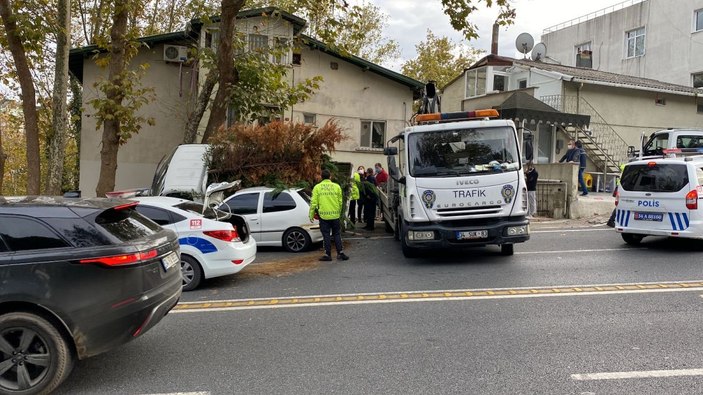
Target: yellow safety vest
<point>327,200</point>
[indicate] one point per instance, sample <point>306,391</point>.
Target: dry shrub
<point>277,152</point>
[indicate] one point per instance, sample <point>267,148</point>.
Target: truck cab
<point>456,181</point>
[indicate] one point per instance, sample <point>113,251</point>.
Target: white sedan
<point>209,247</point>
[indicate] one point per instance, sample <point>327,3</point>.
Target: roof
<point>365,64</point>
<point>597,77</point>
<point>522,106</point>
<point>56,201</point>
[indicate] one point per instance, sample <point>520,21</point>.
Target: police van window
<point>246,203</point>
<point>281,202</point>
<point>657,178</point>
<point>657,144</point>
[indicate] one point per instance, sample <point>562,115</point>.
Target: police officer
<point>327,201</point>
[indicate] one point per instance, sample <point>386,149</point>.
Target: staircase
<point>603,145</point>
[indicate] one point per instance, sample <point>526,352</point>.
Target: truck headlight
<point>421,235</point>
<point>518,230</point>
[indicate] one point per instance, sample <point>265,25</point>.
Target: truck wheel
<point>396,232</point>
<point>632,239</point>
<point>506,249</point>
<point>408,251</point>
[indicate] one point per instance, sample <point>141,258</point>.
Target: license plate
<point>658,217</point>
<point>472,234</point>
<point>169,261</point>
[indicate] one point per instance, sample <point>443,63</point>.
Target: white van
<point>183,173</point>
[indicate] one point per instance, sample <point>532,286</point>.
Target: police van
<point>660,197</point>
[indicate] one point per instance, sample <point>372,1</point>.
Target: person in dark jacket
<point>370,199</point>
<point>582,167</point>
<point>531,180</point>
<point>571,154</point>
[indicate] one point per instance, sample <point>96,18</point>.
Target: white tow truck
<point>458,182</point>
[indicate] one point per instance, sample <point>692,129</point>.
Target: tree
<point>57,137</point>
<point>439,59</point>
<point>24,75</point>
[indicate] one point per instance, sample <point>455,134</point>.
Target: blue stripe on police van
<point>201,244</point>
<point>678,219</point>
<point>671,220</point>
<point>622,217</point>
<point>685,219</point>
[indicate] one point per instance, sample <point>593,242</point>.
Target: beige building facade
<point>371,103</point>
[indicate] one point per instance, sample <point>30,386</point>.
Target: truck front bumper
<point>504,231</point>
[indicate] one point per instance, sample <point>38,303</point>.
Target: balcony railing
<point>592,15</point>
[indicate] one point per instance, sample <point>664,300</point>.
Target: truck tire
<point>507,249</point>
<point>408,252</point>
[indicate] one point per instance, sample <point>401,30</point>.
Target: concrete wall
<point>137,158</point>
<point>672,49</point>
<point>453,94</point>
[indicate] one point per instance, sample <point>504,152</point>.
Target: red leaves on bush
<point>277,152</point>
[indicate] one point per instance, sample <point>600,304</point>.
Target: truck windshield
<point>656,144</point>
<point>459,152</point>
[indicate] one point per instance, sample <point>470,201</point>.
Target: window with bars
<point>281,50</point>
<point>258,42</point>
<point>634,40</point>
<point>583,55</point>
<point>373,134</point>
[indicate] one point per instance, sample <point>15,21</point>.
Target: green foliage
<point>439,59</point>
<point>459,12</point>
<point>276,154</point>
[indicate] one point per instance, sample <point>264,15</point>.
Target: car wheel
<point>191,271</point>
<point>507,249</point>
<point>296,240</point>
<point>34,357</point>
<point>631,238</point>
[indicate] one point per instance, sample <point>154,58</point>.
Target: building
<point>368,101</point>
<point>656,39</point>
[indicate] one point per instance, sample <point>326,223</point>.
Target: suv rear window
<point>126,224</point>
<point>658,178</point>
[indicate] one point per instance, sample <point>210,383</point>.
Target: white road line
<point>558,230</point>
<point>182,393</point>
<point>576,251</point>
<point>637,375</point>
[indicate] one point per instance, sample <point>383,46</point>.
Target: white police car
<point>209,247</point>
<point>660,197</point>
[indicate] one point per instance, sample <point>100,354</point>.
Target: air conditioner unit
<point>175,53</point>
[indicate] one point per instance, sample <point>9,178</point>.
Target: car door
<point>277,215</point>
<point>247,204</point>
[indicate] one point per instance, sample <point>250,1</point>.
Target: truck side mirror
<point>389,151</point>
<point>402,180</point>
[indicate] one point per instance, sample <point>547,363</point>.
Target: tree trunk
<point>200,106</point>
<point>29,107</point>
<point>57,140</point>
<point>111,126</point>
<point>225,66</point>
<point>76,111</point>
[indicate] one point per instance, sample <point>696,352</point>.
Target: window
<point>281,202</point>
<point>583,55</point>
<point>373,134</point>
<point>246,203</point>
<point>499,83</point>
<point>77,232</point>
<point>697,80</point>
<point>476,82</point>
<point>157,215</point>
<point>635,42</point>
<point>698,20</point>
<point>258,42</point>
<point>126,225</point>
<point>281,49</point>
<point>522,84</point>
<point>658,178</point>
<point>309,119</point>
<point>23,234</point>
<point>212,39</point>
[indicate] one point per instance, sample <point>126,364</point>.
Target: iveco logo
<point>467,182</point>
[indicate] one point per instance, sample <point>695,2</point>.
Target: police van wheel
<point>506,249</point>
<point>632,239</point>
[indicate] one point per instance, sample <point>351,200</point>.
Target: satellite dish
<point>539,52</point>
<point>524,43</point>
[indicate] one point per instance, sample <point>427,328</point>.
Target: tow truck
<point>457,182</point>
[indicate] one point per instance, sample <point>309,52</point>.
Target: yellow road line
<point>419,296</point>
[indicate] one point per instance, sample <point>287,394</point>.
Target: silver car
<point>280,219</point>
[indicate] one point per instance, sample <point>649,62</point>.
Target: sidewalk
<point>592,205</point>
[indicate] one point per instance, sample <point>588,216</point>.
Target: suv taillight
<point>226,235</point>
<point>692,200</point>
<point>122,260</point>
<point>617,198</point>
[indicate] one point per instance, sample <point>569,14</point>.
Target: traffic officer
<point>327,202</point>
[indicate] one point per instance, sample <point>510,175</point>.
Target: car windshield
<point>657,178</point>
<point>460,152</point>
<point>656,144</point>
<point>197,208</point>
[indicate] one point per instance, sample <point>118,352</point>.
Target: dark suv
<point>77,278</point>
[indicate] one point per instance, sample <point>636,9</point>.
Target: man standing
<point>327,201</point>
<point>581,159</point>
<point>531,180</point>
<point>381,174</point>
<point>571,154</point>
<point>370,199</point>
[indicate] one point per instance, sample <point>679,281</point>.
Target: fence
<point>552,198</point>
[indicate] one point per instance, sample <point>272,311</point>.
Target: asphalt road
<point>574,311</point>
